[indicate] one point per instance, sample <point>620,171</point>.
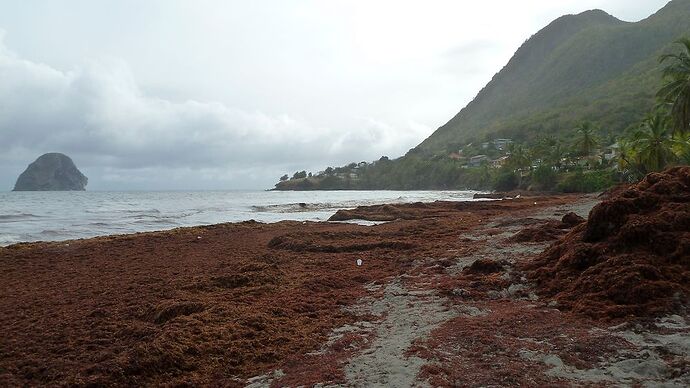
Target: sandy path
<point>408,315</point>
<point>417,329</point>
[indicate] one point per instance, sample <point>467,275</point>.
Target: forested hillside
<point>590,66</point>
<point>575,109</point>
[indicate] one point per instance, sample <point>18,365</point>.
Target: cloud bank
<point>222,94</point>
<point>124,138</point>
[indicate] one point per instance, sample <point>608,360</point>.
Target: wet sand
<point>286,304</point>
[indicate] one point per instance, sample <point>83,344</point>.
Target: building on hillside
<point>347,175</point>
<point>502,144</point>
<point>455,156</point>
<point>499,144</point>
<point>612,151</point>
<point>500,162</point>
<point>477,161</point>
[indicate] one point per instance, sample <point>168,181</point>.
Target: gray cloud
<point>100,116</point>
<point>175,94</point>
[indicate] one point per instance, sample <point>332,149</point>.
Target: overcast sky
<point>232,94</point>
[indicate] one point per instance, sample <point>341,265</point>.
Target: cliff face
<point>51,172</point>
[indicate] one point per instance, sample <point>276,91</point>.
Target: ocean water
<point>54,216</point>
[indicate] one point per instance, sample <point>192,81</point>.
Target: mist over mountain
<point>589,66</point>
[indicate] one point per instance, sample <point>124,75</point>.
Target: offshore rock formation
<point>51,172</point>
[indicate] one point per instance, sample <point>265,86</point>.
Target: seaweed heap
<point>631,257</point>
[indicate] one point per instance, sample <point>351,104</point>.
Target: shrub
<point>506,180</point>
<point>544,177</point>
<point>587,182</point>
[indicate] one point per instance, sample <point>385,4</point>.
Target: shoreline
<point>253,303</point>
<point>39,217</point>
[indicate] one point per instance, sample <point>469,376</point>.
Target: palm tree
<point>628,160</point>
<point>653,142</point>
<point>586,141</point>
<point>681,147</point>
<point>556,155</point>
<point>676,91</point>
<point>519,157</point>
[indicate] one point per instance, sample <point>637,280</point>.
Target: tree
<point>544,146</point>
<point>681,147</point>
<point>586,141</point>
<point>506,180</point>
<point>628,162</point>
<point>299,175</point>
<point>653,142</point>
<point>519,158</point>
<point>544,177</point>
<point>284,178</point>
<point>676,90</point>
<point>555,155</point>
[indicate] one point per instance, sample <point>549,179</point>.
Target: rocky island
<point>52,172</point>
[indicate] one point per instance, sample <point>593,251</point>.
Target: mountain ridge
<point>557,74</point>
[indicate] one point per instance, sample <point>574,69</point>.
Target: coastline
<point>286,304</point>
<point>61,216</point>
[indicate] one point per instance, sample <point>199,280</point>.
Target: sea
<point>56,216</point>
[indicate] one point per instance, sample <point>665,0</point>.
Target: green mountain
<point>590,66</point>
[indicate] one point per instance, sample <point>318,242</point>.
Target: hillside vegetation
<point>590,66</point>
<point>587,102</point>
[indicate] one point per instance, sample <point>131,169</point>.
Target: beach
<point>434,296</point>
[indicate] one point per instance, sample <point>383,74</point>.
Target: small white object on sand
<point>359,262</point>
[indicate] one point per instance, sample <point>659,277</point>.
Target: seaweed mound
<point>372,213</point>
<point>331,243</point>
<point>547,231</point>
<point>631,257</point>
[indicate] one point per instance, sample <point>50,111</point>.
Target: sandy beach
<point>441,298</point>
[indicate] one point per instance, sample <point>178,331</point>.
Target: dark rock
<point>51,172</point>
<point>571,219</point>
<point>500,195</point>
<point>484,266</point>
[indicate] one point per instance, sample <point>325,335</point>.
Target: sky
<point>230,95</point>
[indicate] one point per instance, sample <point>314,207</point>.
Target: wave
<point>298,207</point>
<point>95,214</point>
<point>140,211</point>
<point>157,221</point>
<point>294,207</point>
<point>8,239</point>
<point>53,233</point>
<point>17,216</point>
